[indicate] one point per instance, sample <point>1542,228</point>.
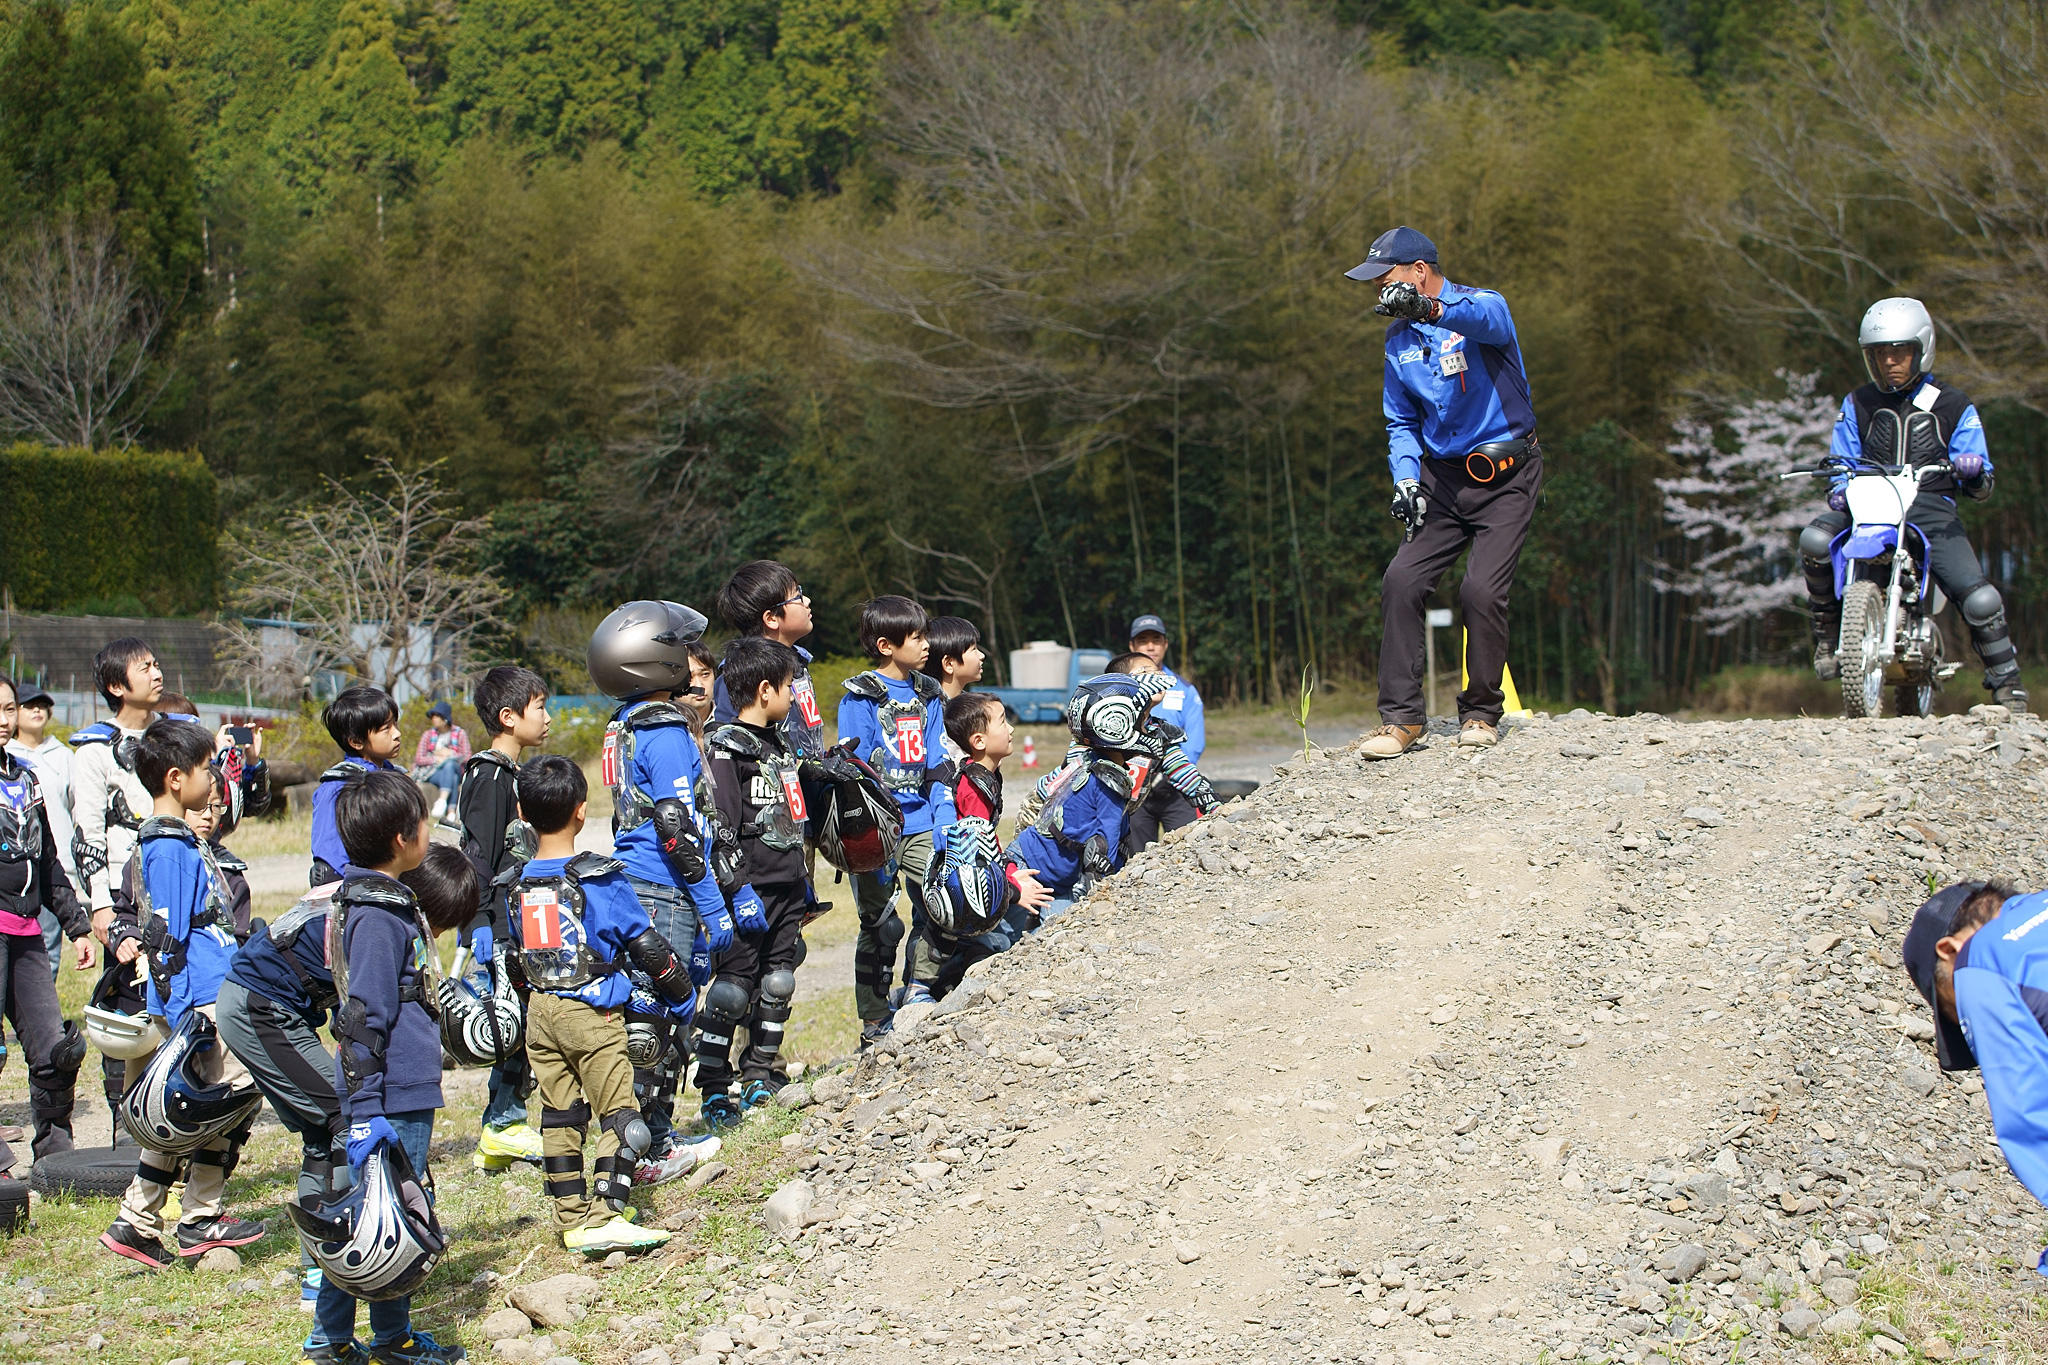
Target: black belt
<point>1497,459</point>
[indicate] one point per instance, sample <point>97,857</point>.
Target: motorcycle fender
<point>1861,542</point>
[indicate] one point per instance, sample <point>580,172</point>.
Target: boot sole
<point>135,1254</point>
<point>213,1243</point>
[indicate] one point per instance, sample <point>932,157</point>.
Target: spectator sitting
<point>438,759</point>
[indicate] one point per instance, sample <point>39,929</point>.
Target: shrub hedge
<point>82,525</point>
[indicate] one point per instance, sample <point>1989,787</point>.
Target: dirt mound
<point>1594,1045</point>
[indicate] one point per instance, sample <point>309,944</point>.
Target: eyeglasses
<point>216,809</point>
<point>801,596</point>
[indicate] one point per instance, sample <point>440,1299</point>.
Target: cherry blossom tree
<point>1740,520</point>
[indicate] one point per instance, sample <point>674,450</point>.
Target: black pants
<point>31,1006</point>
<point>1494,520</point>
<point>1949,558</point>
<point>779,948</point>
<point>1164,808</point>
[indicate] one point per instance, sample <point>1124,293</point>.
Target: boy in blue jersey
<point>896,717</point>
<point>577,925</point>
<point>661,829</point>
<point>1461,445</point>
<point>1978,952</point>
<point>182,905</point>
<point>763,598</point>
<point>364,723</point>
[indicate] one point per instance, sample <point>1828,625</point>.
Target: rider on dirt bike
<point>1903,417</point>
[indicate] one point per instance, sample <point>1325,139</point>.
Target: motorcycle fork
<point>1891,614</point>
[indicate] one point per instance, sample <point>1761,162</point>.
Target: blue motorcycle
<point>1890,637</point>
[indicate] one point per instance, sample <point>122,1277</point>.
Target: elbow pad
<point>650,952</point>
<point>682,847</point>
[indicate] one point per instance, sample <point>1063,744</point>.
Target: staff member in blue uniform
<point>1461,443</point>
<point>1167,807</point>
<point>1979,954</point>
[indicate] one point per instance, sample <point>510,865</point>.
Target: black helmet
<point>481,1023</point>
<point>380,1239</point>
<point>650,1028</point>
<point>644,647</point>
<point>169,1109</point>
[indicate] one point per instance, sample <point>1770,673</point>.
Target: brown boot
<point>1477,734</point>
<point>1389,741</point>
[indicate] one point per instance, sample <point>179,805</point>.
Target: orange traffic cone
<point>1030,753</point>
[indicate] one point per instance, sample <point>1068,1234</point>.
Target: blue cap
<point>1933,922</point>
<point>1395,246</point>
<point>441,709</point>
<point>1145,623</point>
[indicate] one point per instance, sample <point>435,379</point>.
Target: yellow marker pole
<point>1511,701</point>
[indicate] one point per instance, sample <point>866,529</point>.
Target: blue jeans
<point>447,775</point>
<point>334,1316</point>
<point>674,916</point>
<point>505,1107</point>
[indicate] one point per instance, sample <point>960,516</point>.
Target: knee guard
<point>1816,544</point>
<point>771,1012</point>
<point>1982,607</point>
<point>1984,610</point>
<point>226,1158</point>
<point>725,1007</point>
<point>889,931</point>
<point>615,1172</point>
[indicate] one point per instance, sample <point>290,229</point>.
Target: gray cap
<point>1147,622</point>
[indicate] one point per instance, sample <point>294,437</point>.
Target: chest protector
<point>900,758</point>
<point>555,945</point>
<point>632,807</point>
<point>167,955</point>
<point>1091,846</point>
<point>985,784</point>
<point>804,727</point>
<point>774,798</point>
<point>21,814</point>
<point>1915,432</point>
<point>286,930</point>
<point>379,896</point>
<point>124,748</point>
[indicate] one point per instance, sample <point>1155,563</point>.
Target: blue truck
<point>1048,705</point>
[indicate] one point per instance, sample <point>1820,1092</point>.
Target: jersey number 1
<point>540,923</point>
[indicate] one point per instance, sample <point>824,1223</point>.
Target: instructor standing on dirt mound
<point>1461,442</point>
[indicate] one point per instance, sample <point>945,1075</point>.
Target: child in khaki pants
<point>578,926</point>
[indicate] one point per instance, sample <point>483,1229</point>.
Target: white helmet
<point>1894,322</point>
<point>481,1022</point>
<point>124,1037</point>
<point>380,1239</point>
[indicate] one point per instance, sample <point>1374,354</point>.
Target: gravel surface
<point>1591,1046</point>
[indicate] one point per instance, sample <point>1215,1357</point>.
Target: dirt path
<point>1593,1045</point>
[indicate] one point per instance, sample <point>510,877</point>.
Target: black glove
<point>833,765</point>
<point>1404,300</point>
<point>1409,507</point>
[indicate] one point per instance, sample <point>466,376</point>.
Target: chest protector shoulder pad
<point>901,757</point>
<point>555,945</point>
<point>631,806</point>
<point>774,798</point>
<point>379,896</point>
<point>21,814</point>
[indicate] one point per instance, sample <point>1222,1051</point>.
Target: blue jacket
<point>179,885</point>
<point>2002,1003</point>
<point>667,763</point>
<point>1182,707</point>
<point>1431,414</point>
<point>289,977</point>
<point>385,952</point>
<point>612,917</point>
<point>912,762</point>
<point>326,839</point>
<point>1090,810</point>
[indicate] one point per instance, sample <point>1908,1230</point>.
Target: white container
<point>1041,664</point>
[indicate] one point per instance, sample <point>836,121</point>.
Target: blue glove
<point>700,963</point>
<point>718,929</point>
<point>751,915</point>
<point>1968,466</point>
<point>1838,499</point>
<point>363,1139</point>
<point>480,944</point>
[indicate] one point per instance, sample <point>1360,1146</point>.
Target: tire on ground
<point>98,1172</point>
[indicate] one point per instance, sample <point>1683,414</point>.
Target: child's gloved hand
<point>364,1138</point>
<point>480,944</point>
<point>718,930</point>
<point>748,911</point>
<point>700,960</point>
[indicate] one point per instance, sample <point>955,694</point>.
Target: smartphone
<point>242,735</point>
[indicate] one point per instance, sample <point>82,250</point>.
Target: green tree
<point>85,134</point>
<point>554,75</point>
<point>354,115</point>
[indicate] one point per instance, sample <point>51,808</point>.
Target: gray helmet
<point>644,647</point>
<point>1894,322</point>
